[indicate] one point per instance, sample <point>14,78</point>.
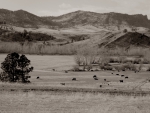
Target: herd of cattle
<point>96,78</point>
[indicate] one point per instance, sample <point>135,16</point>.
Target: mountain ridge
<point>23,18</point>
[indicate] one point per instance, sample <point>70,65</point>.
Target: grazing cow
<point>108,84</point>
<point>66,71</point>
<point>53,69</point>
<point>37,77</point>
<point>94,76</point>
<point>104,79</point>
<point>100,86</point>
<point>111,73</point>
<point>62,84</point>
<point>121,80</point>
<point>126,77</point>
<point>122,75</point>
<point>123,70</point>
<point>74,79</point>
<point>117,74</point>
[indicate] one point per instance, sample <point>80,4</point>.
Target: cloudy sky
<point>59,7</point>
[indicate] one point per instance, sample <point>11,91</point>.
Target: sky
<point>59,7</point>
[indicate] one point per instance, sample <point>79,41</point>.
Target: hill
<point>131,39</point>
<point>101,19</point>
<point>116,39</point>
<point>23,18</point>
<point>109,21</point>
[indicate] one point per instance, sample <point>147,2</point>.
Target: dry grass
<point>133,51</point>
<point>37,48</point>
<point>48,62</point>
<point>53,102</point>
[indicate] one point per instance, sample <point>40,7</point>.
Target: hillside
<point>116,39</point>
<point>77,28</point>
<point>109,21</point>
<point>23,18</point>
<point>104,19</point>
<point>131,39</point>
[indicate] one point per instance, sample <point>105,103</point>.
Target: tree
<point>125,30</point>
<point>15,68</point>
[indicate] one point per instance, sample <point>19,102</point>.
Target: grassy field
<point>44,65</point>
<point>53,102</point>
<point>48,62</point>
<point>48,95</point>
<point>15,99</point>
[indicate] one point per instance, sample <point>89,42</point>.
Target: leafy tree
<point>15,68</point>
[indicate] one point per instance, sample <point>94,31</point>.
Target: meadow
<point>53,90</point>
<point>55,102</point>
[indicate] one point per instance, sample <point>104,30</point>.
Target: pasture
<point>55,102</point>
<point>55,90</point>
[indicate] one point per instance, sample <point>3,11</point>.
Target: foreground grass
<point>53,102</point>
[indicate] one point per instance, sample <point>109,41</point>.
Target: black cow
<point>104,79</point>
<point>122,75</point>
<point>74,79</point>
<point>37,77</point>
<point>62,84</point>
<point>100,86</point>
<point>66,71</point>
<point>126,77</point>
<point>121,80</point>
<point>94,76</point>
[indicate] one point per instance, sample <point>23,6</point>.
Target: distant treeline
<point>22,36</point>
<point>2,22</point>
<point>78,38</point>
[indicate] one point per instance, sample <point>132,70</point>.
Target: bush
<point>148,68</point>
<point>76,68</point>
<point>15,67</point>
<point>86,56</point>
<point>20,37</point>
<point>125,30</point>
<point>79,59</point>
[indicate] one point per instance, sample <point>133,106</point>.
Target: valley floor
<point>53,102</point>
<point>48,95</point>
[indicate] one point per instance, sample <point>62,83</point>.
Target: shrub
<point>76,68</point>
<point>79,59</point>
<point>148,68</point>
<point>137,61</point>
<point>125,30</point>
<point>86,55</point>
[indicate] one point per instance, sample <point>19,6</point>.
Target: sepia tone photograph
<point>74,56</point>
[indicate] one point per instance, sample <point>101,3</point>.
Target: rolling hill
<point>111,20</point>
<point>101,19</point>
<point>101,30</point>
<point>23,18</point>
